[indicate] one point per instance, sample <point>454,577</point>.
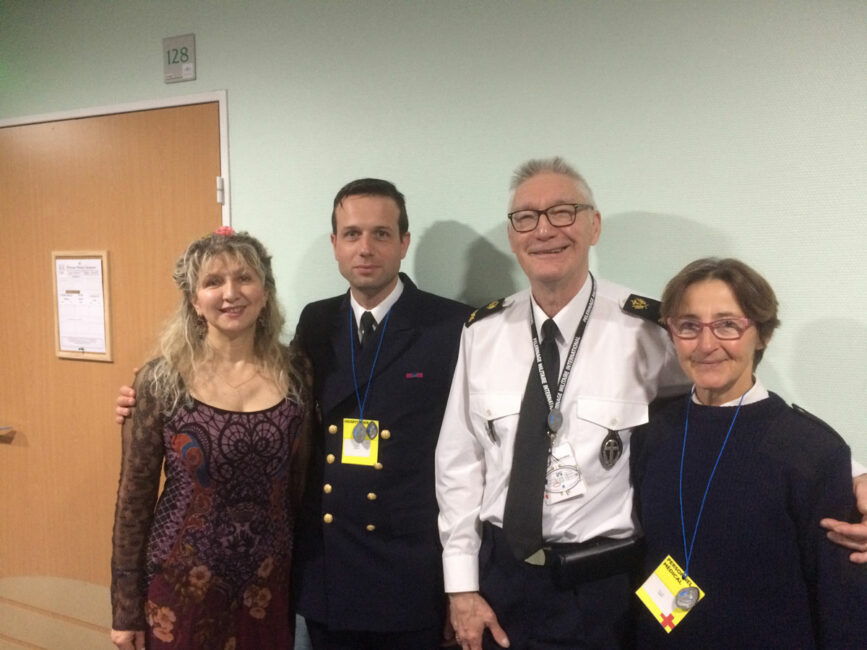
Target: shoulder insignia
<point>643,307</point>
<point>487,310</point>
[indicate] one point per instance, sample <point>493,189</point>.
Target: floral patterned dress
<point>208,567</point>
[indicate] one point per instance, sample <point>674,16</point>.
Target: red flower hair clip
<point>228,231</point>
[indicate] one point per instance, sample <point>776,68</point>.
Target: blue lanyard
<point>686,554</point>
<point>352,339</point>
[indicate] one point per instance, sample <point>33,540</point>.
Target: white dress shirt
<point>756,393</point>
<point>379,311</point>
<point>623,363</point>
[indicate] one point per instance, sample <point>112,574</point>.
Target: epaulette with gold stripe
<point>487,310</point>
<point>643,307</point>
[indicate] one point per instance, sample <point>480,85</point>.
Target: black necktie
<point>522,517</point>
<point>550,353</point>
<point>368,324</point>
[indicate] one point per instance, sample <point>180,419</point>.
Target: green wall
<point>727,128</point>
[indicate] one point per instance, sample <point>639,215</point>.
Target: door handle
<point>6,435</point>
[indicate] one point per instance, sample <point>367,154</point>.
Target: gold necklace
<point>238,386</point>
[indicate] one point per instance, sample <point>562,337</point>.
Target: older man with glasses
<point>540,543</point>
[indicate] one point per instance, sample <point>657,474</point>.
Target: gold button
<point>371,496</point>
<point>326,488</point>
<point>327,518</point>
<point>329,458</point>
<point>332,428</point>
<point>386,434</point>
<point>370,527</point>
<point>377,466</point>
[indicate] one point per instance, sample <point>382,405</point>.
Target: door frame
<point>50,611</point>
<point>219,96</point>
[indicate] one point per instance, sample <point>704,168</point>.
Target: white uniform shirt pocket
<point>597,419</point>
<point>495,417</point>
<point>612,414</point>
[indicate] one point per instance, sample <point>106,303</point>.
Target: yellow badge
<point>360,442</point>
<point>639,303</point>
<point>668,595</point>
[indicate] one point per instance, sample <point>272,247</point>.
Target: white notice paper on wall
<point>80,305</point>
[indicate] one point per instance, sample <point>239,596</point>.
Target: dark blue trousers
<point>323,638</point>
<point>538,614</point>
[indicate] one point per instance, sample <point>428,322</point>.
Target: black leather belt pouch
<point>599,558</point>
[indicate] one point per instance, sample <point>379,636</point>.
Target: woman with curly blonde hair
<point>225,408</point>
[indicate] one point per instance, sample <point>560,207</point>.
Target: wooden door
<point>140,185</point>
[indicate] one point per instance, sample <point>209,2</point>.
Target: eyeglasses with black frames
<point>560,215</point>
<point>725,329</point>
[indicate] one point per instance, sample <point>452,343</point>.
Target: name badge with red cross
<point>668,594</point>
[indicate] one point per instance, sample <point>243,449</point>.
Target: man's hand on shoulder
<point>852,536</point>
<point>470,614</point>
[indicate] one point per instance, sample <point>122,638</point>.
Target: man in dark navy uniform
<point>367,557</point>
<point>368,572</point>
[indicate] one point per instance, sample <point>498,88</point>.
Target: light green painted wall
<point>728,128</point>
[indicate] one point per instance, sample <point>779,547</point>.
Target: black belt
<point>572,564</point>
<point>597,558</point>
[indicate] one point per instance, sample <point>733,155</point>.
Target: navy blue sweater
<point>771,577</point>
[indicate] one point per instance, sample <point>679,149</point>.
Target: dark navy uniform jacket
<point>367,553</point>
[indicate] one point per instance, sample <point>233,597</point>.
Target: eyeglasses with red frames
<point>725,329</point>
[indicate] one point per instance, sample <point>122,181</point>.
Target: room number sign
<point>179,58</point>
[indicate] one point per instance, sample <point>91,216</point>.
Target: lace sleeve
<point>303,444</point>
<point>141,464</point>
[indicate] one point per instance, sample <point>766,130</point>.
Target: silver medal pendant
<point>611,450</point>
<point>372,430</point>
<point>359,432</point>
<point>555,420</point>
<point>686,598</point>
